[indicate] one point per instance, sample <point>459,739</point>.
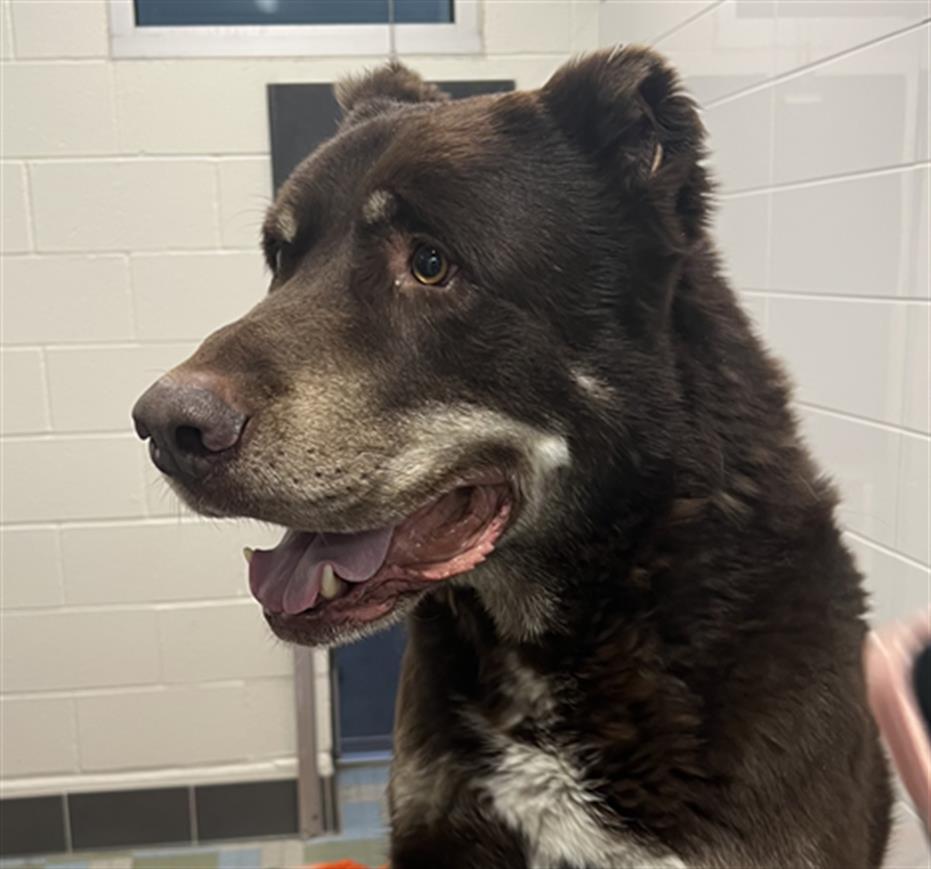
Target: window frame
<point>127,40</point>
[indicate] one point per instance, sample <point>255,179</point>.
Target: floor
<point>267,854</point>
<point>908,849</point>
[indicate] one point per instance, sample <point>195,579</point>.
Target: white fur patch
<point>442,436</point>
<point>287,225</point>
<point>538,791</point>
<point>378,207</point>
<point>550,452</point>
<point>657,159</point>
<point>540,794</point>
<point>529,694</point>
<point>592,386</point>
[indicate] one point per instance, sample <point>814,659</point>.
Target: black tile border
<point>246,810</point>
<point>32,825</point>
<point>116,819</point>
<point>181,815</point>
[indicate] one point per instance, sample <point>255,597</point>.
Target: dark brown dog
<point>500,386</point>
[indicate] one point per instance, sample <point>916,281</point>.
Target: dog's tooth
<point>331,586</point>
<point>248,552</point>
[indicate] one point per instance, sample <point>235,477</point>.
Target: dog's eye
<point>429,265</point>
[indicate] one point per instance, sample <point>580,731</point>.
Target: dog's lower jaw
<point>337,636</point>
<point>522,611</point>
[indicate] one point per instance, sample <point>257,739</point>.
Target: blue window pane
<point>193,13</point>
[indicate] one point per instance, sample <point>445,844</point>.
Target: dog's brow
<point>286,224</point>
<point>378,207</point>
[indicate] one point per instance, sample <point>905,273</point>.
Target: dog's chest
<point>537,788</point>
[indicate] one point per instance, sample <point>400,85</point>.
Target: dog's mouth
<point>316,587</point>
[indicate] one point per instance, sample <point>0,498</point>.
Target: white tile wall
<point>205,119</point>
<point>825,241</point>
<point>120,205</point>
<point>245,193</point>
<point>645,21</point>
<point>6,31</point>
<point>30,562</point>
<point>187,295</point>
<point>210,642</point>
<point>47,723</point>
<point>186,725</point>
<point>823,341</point>
<point>864,462</point>
<point>120,373</point>
<point>55,479</point>
<point>741,136</point>
<point>25,406</point>
<point>62,298</point>
<point>811,30</point>
<point>509,33</point>
<point>857,113</point>
<point>915,409</point>
<point>817,112</point>
<point>76,95</point>
<point>742,231</point>
<point>727,49</point>
<point>157,561</point>
<point>14,220</point>
<point>59,29</point>
<point>898,586</point>
<point>914,492</point>
<point>133,192</point>
<point>44,651</point>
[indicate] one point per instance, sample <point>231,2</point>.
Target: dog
<point>499,387</point>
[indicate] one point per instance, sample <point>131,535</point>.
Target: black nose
<point>189,425</point>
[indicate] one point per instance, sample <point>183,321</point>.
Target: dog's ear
<point>391,83</point>
<point>626,108</point>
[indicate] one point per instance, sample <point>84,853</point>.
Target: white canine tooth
<point>248,552</point>
<point>331,586</point>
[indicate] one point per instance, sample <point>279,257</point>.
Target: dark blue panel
<point>193,13</point>
<point>366,680</point>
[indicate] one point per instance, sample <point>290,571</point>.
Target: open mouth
<point>319,584</point>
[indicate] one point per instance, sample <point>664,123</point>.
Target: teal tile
<point>245,858</point>
<point>188,860</point>
<point>368,852</point>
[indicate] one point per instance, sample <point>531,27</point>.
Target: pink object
<point>889,657</point>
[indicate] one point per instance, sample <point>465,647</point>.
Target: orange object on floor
<point>340,864</point>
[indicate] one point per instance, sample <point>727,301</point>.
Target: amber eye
<point>429,265</point>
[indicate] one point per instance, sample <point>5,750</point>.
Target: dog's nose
<point>188,424</point>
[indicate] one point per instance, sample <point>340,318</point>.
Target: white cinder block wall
<point>818,121</point>
<point>132,195</point>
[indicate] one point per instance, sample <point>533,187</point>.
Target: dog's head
<point>464,342</point>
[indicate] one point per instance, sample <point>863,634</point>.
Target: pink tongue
<point>287,578</point>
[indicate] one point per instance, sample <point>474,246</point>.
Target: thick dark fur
<point>708,655</point>
<point>682,623</point>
